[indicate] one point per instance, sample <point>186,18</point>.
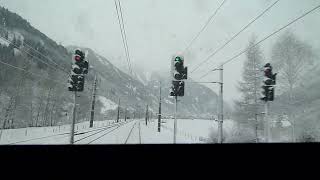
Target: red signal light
<point>77,58</point>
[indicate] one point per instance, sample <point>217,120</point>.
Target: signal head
<point>78,52</point>
<point>178,58</point>
<point>77,58</point>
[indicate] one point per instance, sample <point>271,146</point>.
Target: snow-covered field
<point>45,135</point>
<point>197,129</point>
<point>109,132</point>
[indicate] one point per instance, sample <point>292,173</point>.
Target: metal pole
<point>256,125</point>
<point>93,101</point>
<point>269,124</point>
<point>159,115</point>
<point>256,102</point>
<point>73,118</point>
<point>125,115</point>
<point>266,122</point>
<point>139,132</point>
<point>147,115</point>
<point>293,130</point>
<point>175,122</point>
<point>220,127</point>
<point>118,116</point>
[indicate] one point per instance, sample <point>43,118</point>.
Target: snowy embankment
<point>45,135</point>
<point>198,130</point>
<point>109,132</point>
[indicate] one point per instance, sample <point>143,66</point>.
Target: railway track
<point>63,135</point>
<point>103,133</point>
<point>136,125</point>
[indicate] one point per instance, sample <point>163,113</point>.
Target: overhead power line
<point>267,37</point>
<point>38,52</point>
<point>35,74</point>
<point>123,34</point>
<point>49,65</point>
<point>205,26</point>
<point>234,36</point>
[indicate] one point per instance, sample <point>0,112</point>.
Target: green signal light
<point>178,59</point>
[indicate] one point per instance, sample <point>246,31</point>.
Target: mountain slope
<point>33,75</point>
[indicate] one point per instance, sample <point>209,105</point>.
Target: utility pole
<point>268,91</point>
<point>175,122</point>
<point>220,126</point>
<point>159,114</point>
<point>256,125</point>
<point>293,130</point>
<point>147,114</point>
<point>255,102</point>
<point>139,132</point>
<point>73,118</point>
<point>93,101</point>
<point>125,115</point>
<point>267,124</point>
<point>118,115</point>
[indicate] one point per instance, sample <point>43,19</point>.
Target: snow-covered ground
<point>109,132</point>
<point>46,135</point>
<point>107,104</point>
<point>197,130</point>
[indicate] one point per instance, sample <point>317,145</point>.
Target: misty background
<point>156,29</point>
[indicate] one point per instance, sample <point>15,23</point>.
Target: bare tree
<point>291,56</point>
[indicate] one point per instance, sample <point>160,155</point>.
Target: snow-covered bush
<point>234,135</point>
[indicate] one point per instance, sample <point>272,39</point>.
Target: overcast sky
<point>156,29</point>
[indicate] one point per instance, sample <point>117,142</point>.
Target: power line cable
<point>122,35</point>
<point>234,36</point>
<point>38,52</point>
<point>125,36</point>
<point>125,40</point>
<point>205,26</point>
<point>267,37</point>
<point>49,65</point>
<point>35,74</point>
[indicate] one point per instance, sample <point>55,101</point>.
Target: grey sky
<point>156,29</point>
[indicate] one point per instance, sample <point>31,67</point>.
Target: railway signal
<point>179,73</point>
<point>177,88</point>
<point>268,95</point>
<point>269,83</point>
<point>79,69</point>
